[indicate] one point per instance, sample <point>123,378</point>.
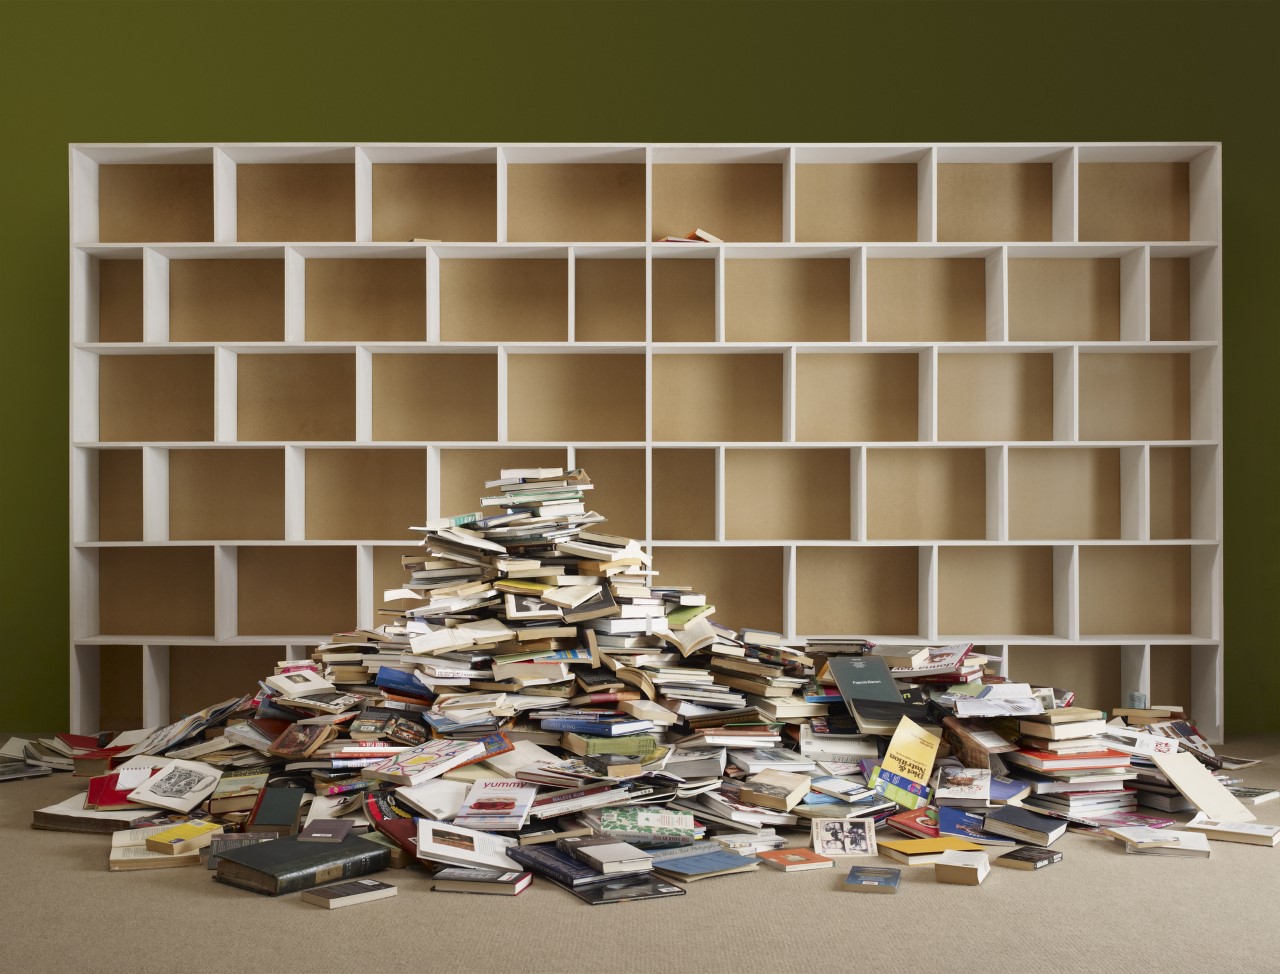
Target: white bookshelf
<point>921,393</point>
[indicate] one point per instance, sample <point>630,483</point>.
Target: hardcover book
<point>628,889</point>
<point>289,866</point>
<point>277,810</point>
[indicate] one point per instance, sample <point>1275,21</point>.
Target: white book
<point>1178,843</point>
<point>1201,788</point>
<point>1252,833</point>
<point>497,806</point>
<point>299,683</point>
<point>439,798</point>
<point>524,754</point>
<point>961,868</point>
<point>458,846</point>
<point>179,787</point>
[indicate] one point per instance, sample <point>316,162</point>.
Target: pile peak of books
<point>540,702</point>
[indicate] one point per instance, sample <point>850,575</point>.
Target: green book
<point>288,866</point>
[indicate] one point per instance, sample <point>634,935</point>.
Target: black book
<point>624,889</point>
<point>1029,857</point>
<point>1025,825</point>
<point>601,607</point>
<point>287,865</point>
<point>277,810</point>
<point>870,692</point>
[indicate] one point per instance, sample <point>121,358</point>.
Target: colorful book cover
<point>497,806</point>
<point>873,879</point>
<point>966,825</point>
<point>899,790</point>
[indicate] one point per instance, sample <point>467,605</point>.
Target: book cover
<point>464,847</point>
<point>873,879</point>
<point>179,786</point>
<point>910,754</point>
<point>625,890</point>
<point>556,864</point>
<point>277,810</point>
<point>429,760</point>
<point>326,830</point>
<point>348,894</point>
<point>965,824</point>
<point>1029,858</point>
<point>497,806</point>
<point>794,860</point>
<point>844,836</point>
<point>286,865</point>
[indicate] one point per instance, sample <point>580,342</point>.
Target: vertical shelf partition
<point>920,393</point>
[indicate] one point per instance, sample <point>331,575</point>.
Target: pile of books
<point>540,702</point>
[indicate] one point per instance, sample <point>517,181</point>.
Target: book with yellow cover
<point>188,837</point>
<point>916,852</point>
<point>904,771</point>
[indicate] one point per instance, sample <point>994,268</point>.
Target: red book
<point>104,796</point>
<point>919,824</point>
<point>89,764</point>
<point>79,742</point>
<point>1049,760</point>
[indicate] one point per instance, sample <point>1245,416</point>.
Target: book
<point>458,846</point>
<point>697,865</point>
<point>277,810</point>
<point>1178,843</point>
<point>1201,788</point>
<point>456,879</point>
<point>1251,833</point>
<point>222,841</point>
<point>1024,825</point>
<point>909,756</point>
<point>1029,857</point>
<point>497,806</point>
<point>286,865</point>
<point>963,787</point>
<point>129,851</point>
<point>422,763</point>
<point>775,789</point>
<point>185,838</point>
<point>347,894</point>
<point>13,770</point>
<point>969,825</point>
<point>961,868</point>
<point>1062,732</point>
<point>918,852</point>
<point>326,830</point>
<point>627,889</point>
<point>608,856</point>
<point>794,860</point>
<point>237,790</point>
<point>872,879</point>
<point>556,864</point>
<point>843,836</point>
<point>179,786</point>
<point>437,798</point>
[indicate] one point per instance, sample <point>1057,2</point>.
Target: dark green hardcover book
<point>287,865</point>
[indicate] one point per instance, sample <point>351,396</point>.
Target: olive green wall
<point>759,72</point>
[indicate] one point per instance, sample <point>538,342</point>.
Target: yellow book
<point>915,852</point>
<point>911,752</point>
<point>188,837</point>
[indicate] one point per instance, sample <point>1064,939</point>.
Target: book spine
<point>591,728</point>
<point>544,865</point>
<point>372,860</point>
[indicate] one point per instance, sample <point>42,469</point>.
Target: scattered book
<point>493,881</point>
<point>1251,833</point>
<point>1029,857</point>
<point>286,865</point>
<point>872,879</point>
<point>326,830</point>
<point>1024,825</point>
<point>185,838</point>
<point>626,890</point>
<point>794,860</point>
<point>961,868</point>
<point>348,894</point>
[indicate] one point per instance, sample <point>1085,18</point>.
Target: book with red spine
<point>1050,761</point>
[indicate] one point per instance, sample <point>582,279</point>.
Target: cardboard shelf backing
<point>619,492</point>
<point>996,590</point>
<point>717,398</point>
<point>863,590</point>
<point>339,488</point>
<point>155,203</point>
<point>435,397</point>
<point>576,397</point>
<point>1135,201</point>
<point>221,495</point>
<point>582,202</point>
<point>311,202</point>
<point>1135,590</point>
<point>199,675</point>
<point>1057,494</point>
<point>119,300</point>
<point>684,300</point>
<point>1171,492</point>
<point>609,300</point>
<point>787,300</point>
<point>361,300</point>
<point>776,495</point>
<point>155,397</point>
<point>504,300</point>
<point>918,494</point>
<point>927,299</point>
<point>1173,678</point>
<point>1093,672</point>
<point>1135,396</point>
<point>295,591</point>
<point>745,584</point>
<point>119,495</point>
<point>853,397</point>
<point>735,201</point>
<point>995,201</point>
<point>1170,299</point>
<point>120,688</point>
<point>856,201</point>
<point>226,300</point>
<point>435,201</point>
<point>1074,299</point>
<point>1003,396</point>
<point>155,590</point>
<point>684,495</point>
<point>296,397</point>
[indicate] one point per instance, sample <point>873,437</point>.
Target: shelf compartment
<point>856,201</point>
<point>777,495</point>
<point>435,201</point>
<point>576,397</point>
<point>927,299</point>
<point>435,396</point>
<point>744,584</point>
<point>1065,299</point>
<point>997,590</point>
<point>620,488</point>
<point>366,300</point>
<point>788,300</point>
<point>858,590</point>
<point>155,397</point>
<point>119,494</point>
<point>285,591</point>
<point>226,300</point>
<point>1057,494</point>
<point>1183,489</point>
<point>1092,671</point>
<point>857,397</point>
<point>1135,396</point>
<point>504,300</point>
<point>208,499</point>
<point>156,590</point>
<point>340,487</point>
<point>296,397</point>
<point>120,689</point>
<point>1170,299</point>
<point>717,398</point>
<point>201,675</point>
<point>463,474</point>
<point>1173,681</point>
<point>119,300</point>
<point>583,201</point>
<point>684,298</point>
<point>155,203</point>
<point>1001,396</point>
<point>684,495</point>
<point>389,573</point>
<point>309,201</point>
<point>1135,201</point>
<point>915,494</point>
<point>995,201</point>
<point>609,300</point>
<point>737,201</point>
<point>1135,590</point>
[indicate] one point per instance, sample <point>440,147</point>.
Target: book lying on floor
<point>1178,843</point>
<point>456,879</point>
<point>794,860</point>
<point>70,815</point>
<point>628,889</point>
<point>1251,833</point>
<point>287,865</point>
<point>919,852</point>
<point>180,786</point>
<point>1029,857</point>
<point>872,879</point>
<point>348,894</point>
<point>961,868</point>
<point>701,861</point>
<point>129,851</point>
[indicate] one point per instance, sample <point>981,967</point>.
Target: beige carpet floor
<point>1097,910</point>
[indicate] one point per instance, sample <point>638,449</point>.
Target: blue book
<point>398,681</point>
<point>558,865</point>
<point>597,728</point>
<point>873,879</point>
<point>966,825</point>
<point>705,865</point>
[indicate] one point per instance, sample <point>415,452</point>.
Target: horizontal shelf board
<point>633,444</point>
<point>700,543</point>
<point>158,640</point>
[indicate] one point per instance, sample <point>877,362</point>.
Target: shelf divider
<point>858,481</point>
<point>226,595</point>
<point>789,611</point>
<point>721,494</point>
<point>927,197</point>
<point>928,383</point>
<point>364,196</point>
<point>1066,591</point>
<point>84,197</point>
<point>997,492</point>
<point>366,597</point>
<point>928,595</point>
<point>224,197</point>
<point>155,296</point>
<point>1135,295</point>
<point>997,267</point>
<point>502,195</point>
<point>1135,492</point>
<point>85,677</point>
<point>433,295</point>
<point>295,493</point>
<point>295,296</point>
<point>1066,196</point>
<point>155,494</point>
<point>858,296</point>
<point>1135,672</point>
<point>789,196</point>
<point>1066,399</point>
<point>364,395</point>
<point>225,395</point>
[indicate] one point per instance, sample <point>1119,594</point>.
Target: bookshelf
<point>922,393</point>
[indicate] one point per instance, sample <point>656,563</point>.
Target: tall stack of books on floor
<point>541,704</point>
